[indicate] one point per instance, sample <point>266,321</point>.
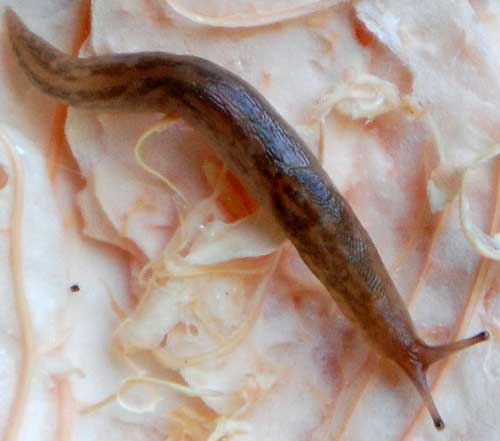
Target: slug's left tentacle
<point>416,371</point>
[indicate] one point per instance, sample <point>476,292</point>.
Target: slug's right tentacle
<point>431,354</point>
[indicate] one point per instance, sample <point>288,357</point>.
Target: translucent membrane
<point>252,20</point>
<point>485,244</point>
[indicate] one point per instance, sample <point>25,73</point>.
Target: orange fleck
<point>163,342</point>
<point>266,79</point>
<point>73,219</point>
<point>193,330</point>
<point>57,142</point>
<point>236,192</point>
<point>4,177</point>
<point>233,199</point>
<point>298,301</point>
<point>362,34</point>
<point>317,20</point>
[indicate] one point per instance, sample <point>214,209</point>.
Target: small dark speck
<point>74,288</point>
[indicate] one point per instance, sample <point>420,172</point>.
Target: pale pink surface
<point>313,373</point>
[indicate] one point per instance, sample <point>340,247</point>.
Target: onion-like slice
<point>151,381</point>
<point>226,429</point>
<point>156,128</point>
<point>234,340</point>
<point>252,20</point>
<point>486,245</point>
<point>253,236</point>
<point>359,95</point>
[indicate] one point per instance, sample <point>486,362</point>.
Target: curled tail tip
<point>16,29</point>
<point>11,18</point>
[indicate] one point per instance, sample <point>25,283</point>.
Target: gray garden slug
<point>271,160</point>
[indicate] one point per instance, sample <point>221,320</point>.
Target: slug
<point>273,163</point>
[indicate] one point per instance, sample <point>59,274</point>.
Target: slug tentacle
<point>416,372</point>
<point>431,354</point>
<point>423,356</point>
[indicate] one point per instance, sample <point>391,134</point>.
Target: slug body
<point>270,159</point>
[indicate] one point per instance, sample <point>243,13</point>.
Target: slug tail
<point>42,63</point>
<point>83,82</point>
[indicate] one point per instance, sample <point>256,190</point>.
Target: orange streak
<point>440,222</point>
<point>57,141</point>
<point>58,148</point>
<point>233,199</point>
<point>235,190</point>
<point>66,408</point>
<point>363,35</point>
<point>413,241</point>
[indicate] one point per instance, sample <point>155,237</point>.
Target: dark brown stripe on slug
<point>75,94</point>
<point>289,215</point>
<point>117,65</point>
<point>43,54</point>
<point>149,84</point>
<point>107,94</point>
<point>47,88</point>
<point>320,193</point>
<point>153,60</point>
